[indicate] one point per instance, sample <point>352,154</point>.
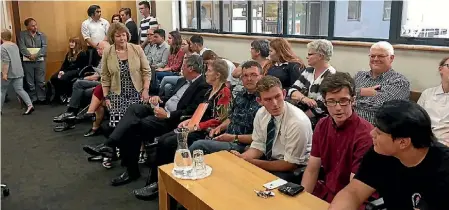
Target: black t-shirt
<point>424,187</point>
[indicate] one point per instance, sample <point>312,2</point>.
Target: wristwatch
<point>236,139</point>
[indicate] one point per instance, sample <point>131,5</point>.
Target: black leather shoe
<point>63,127</point>
<point>148,192</point>
<point>63,117</point>
<point>90,117</point>
<point>124,178</point>
<point>101,149</point>
<point>92,132</point>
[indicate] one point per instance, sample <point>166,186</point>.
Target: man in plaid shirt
<point>380,84</point>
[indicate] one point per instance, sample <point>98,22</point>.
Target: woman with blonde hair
<point>12,71</point>
<point>125,74</point>
<point>75,60</point>
<point>283,63</point>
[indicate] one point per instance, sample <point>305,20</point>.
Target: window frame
<point>357,13</point>
<point>394,30</point>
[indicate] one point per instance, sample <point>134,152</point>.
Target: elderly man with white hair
<point>305,91</point>
<point>380,84</point>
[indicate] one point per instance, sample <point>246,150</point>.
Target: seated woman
<point>168,82</point>
<point>306,90</point>
<point>75,60</point>
<point>210,56</point>
<point>436,102</point>
<point>218,98</point>
<point>175,57</point>
<point>125,75</point>
<point>283,64</point>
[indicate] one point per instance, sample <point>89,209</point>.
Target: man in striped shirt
<point>146,23</point>
<point>380,84</point>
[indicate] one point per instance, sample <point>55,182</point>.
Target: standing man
<point>146,23</point>
<point>33,47</point>
<point>125,15</point>
<point>94,30</point>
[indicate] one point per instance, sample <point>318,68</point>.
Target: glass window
<point>354,10</point>
<point>235,16</point>
<point>308,17</point>
<point>267,17</point>
<point>369,25</point>
<point>209,15</point>
<point>423,19</point>
<point>387,10</point>
<point>188,13</point>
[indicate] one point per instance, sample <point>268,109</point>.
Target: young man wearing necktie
<point>282,134</point>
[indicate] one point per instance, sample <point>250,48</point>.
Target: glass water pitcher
<point>183,164</point>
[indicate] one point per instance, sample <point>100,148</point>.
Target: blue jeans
<point>211,146</point>
<point>161,74</point>
<point>167,84</point>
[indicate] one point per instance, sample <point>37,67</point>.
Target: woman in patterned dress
<point>125,76</point>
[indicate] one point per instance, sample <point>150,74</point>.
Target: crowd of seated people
<point>353,135</point>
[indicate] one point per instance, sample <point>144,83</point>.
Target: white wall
<point>420,67</point>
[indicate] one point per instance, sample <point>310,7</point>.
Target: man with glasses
<point>239,124</point>
<point>339,140</point>
<point>381,83</point>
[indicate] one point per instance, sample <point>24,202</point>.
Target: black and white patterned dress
<point>128,95</point>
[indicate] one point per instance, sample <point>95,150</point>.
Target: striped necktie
<point>271,132</point>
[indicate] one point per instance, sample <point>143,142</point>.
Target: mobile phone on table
<point>291,189</point>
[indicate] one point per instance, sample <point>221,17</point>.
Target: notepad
<point>33,51</point>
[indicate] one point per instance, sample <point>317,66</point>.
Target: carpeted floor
<point>49,170</point>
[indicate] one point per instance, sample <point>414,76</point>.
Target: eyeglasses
<point>342,102</point>
<point>446,64</point>
<point>378,56</point>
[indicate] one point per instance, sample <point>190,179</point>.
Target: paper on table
<point>33,51</point>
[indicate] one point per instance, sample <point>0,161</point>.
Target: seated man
<point>143,121</point>
<point>79,87</point>
<point>380,84</point>
<point>339,140</point>
<point>282,134</point>
<point>239,125</point>
<point>407,166</point>
<point>436,102</point>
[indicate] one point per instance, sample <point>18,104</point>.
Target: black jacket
<point>192,97</point>
<point>81,61</point>
<point>132,27</point>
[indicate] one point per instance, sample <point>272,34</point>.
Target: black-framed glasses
<point>342,102</point>
<point>446,64</point>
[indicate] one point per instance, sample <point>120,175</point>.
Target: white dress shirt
<point>293,140</point>
<point>436,103</point>
<point>95,30</point>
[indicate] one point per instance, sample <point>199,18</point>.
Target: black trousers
<point>137,125</point>
<point>166,149</point>
<point>94,58</point>
<point>63,85</point>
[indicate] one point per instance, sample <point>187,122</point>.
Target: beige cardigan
<point>139,68</point>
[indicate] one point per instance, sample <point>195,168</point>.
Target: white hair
<point>385,46</point>
<point>323,47</point>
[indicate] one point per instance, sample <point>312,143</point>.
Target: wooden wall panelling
<point>60,20</point>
